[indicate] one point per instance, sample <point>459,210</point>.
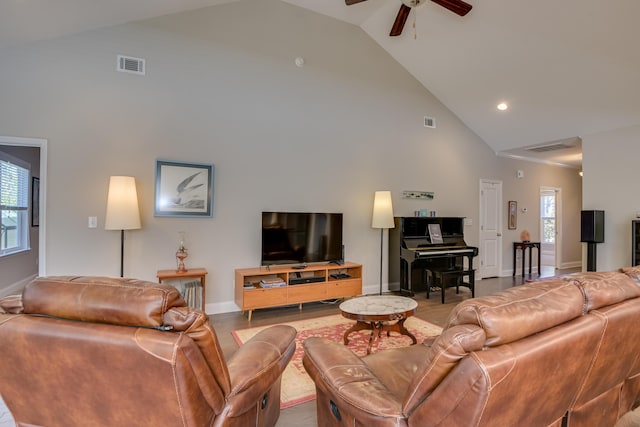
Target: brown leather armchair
<point>79,351</point>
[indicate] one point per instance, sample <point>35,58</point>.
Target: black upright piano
<point>414,247</point>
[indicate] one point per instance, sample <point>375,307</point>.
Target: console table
<point>273,286</point>
<point>523,246</point>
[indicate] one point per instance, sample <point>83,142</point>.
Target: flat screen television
<point>301,237</point>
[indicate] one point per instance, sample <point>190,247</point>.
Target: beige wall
<point>526,191</point>
<point>610,176</point>
<point>222,88</point>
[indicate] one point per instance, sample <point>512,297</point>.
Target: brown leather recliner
<point>550,353</point>
<point>80,351</point>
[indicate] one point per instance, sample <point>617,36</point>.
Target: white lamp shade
<point>122,204</point>
<point>382,210</point>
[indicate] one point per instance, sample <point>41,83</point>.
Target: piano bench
<point>445,278</point>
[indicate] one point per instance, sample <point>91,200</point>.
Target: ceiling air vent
<point>128,64</point>
<point>429,122</point>
<point>551,147</point>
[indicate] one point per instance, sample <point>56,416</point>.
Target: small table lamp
<point>382,218</point>
<point>122,209</point>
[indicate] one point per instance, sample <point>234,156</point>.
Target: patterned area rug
<point>297,387</point>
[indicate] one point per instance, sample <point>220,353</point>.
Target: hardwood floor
<point>432,310</point>
<point>304,415</point>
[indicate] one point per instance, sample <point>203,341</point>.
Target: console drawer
<point>264,297</point>
<point>344,288</point>
<point>306,293</point>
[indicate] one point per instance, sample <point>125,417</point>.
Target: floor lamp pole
<point>382,218</point>
<point>381,238</point>
<point>121,253</point>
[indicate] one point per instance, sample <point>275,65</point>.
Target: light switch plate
<point>93,221</point>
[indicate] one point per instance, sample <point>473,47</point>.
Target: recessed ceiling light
<point>502,106</point>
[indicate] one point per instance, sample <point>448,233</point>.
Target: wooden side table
<point>181,281</point>
<point>524,246</point>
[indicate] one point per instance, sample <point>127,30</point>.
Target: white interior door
<point>490,249</point>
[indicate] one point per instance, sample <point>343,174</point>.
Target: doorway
<point>490,251</point>
<point>41,144</point>
<point>549,230</point>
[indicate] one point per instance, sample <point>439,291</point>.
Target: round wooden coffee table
<point>378,314</point>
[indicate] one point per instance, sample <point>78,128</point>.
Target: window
<point>548,217</point>
<point>14,205</point>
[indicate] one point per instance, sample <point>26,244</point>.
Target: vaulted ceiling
<point>566,68</point>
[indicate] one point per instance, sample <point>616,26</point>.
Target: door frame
<point>42,145</point>
<point>499,222</point>
<point>558,244</point>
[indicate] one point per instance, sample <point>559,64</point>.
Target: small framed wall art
<point>35,202</point>
<point>183,189</point>
<point>512,215</point>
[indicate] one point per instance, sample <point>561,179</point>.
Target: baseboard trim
<point>574,264</point>
<point>221,307</point>
<point>375,289</point>
<point>17,287</point>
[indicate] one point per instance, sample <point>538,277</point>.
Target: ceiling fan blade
<point>350,2</point>
<point>401,19</point>
<point>455,6</point>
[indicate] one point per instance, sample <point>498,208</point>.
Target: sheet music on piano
<point>435,235</point>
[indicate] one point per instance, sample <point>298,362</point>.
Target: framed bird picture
<point>183,189</point>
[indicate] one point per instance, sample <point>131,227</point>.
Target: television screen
<point>299,237</point>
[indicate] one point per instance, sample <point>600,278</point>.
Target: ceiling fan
<point>456,6</point>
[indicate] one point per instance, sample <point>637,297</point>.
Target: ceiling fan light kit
<point>413,3</point>
<point>458,7</point>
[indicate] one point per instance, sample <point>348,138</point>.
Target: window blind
<point>14,186</point>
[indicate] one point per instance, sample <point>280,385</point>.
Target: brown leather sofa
<point>551,353</point>
<point>96,351</point>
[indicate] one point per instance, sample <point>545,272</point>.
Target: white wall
<point>222,88</point>
<point>610,164</point>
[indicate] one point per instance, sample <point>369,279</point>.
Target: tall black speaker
<point>592,226</point>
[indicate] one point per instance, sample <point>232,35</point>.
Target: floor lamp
<point>122,209</point>
<point>382,218</point>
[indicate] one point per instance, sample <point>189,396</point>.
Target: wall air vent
<point>551,147</point>
<point>429,122</point>
<point>128,64</point>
